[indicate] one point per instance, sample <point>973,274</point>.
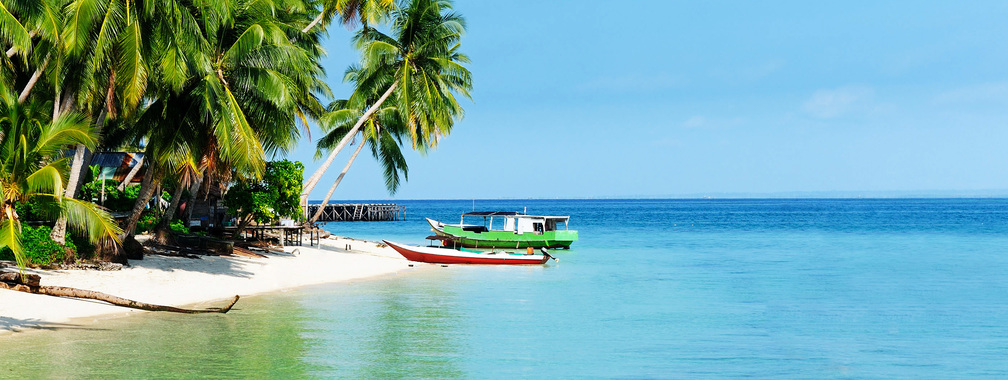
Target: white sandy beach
<point>206,282</point>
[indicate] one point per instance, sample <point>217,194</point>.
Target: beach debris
<point>31,283</point>
<point>98,266</point>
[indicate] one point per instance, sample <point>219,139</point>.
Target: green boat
<point>515,230</point>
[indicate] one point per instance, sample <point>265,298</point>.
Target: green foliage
<point>275,196</point>
<point>31,171</point>
<point>146,222</point>
<point>37,209</point>
<point>115,199</point>
<point>39,248</point>
<point>284,180</point>
<point>177,226</point>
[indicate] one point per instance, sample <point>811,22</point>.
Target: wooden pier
<point>369,212</point>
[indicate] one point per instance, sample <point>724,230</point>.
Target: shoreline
<point>182,282</point>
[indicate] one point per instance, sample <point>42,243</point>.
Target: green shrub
<point>39,248</point>
<point>178,227</point>
<point>37,209</point>
<point>146,222</point>
<point>115,199</point>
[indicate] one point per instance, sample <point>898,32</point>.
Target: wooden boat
<point>516,230</point>
<point>437,255</point>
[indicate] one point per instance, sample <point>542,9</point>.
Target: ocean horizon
<point>923,194</point>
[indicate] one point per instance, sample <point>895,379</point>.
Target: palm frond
<point>10,237</point>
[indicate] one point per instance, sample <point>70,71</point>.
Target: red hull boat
<point>436,255</point>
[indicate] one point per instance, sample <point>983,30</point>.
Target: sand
<point>206,282</point>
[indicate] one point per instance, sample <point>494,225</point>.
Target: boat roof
<point>492,213</point>
<point>511,214</point>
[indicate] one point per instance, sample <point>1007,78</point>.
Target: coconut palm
<point>367,12</point>
<point>383,132</point>
<point>108,53</point>
<point>255,78</point>
<point>29,170</point>
<point>419,67</point>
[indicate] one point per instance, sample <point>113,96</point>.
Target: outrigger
<point>517,230</point>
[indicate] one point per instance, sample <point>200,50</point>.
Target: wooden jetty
<point>357,212</point>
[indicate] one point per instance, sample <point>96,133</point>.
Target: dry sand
<point>206,282</point>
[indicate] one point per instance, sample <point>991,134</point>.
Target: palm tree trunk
<point>73,182</point>
<point>313,180</point>
<point>132,173</point>
<point>193,191</point>
<point>338,179</point>
<point>161,231</point>
<point>31,82</point>
<point>146,191</point>
<point>59,229</point>
<point>310,25</point>
<point>30,284</point>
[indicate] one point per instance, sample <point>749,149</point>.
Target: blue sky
<point>712,98</point>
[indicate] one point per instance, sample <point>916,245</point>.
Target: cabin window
<point>538,228</point>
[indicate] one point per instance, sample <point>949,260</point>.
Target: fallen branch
<point>29,284</point>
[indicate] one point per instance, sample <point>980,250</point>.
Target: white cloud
<point>831,103</point>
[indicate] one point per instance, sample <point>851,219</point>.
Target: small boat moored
<point>514,230</point>
<point>435,255</point>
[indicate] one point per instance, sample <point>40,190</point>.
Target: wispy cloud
<point>695,122</point>
<point>832,103</point>
<point>984,93</point>
<point>705,122</point>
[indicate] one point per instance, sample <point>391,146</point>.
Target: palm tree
<point>420,65</point>
<point>105,57</point>
<point>256,77</point>
<point>29,171</point>
<point>350,11</point>
<point>383,132</point>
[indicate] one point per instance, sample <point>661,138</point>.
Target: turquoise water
<point>654,289</point>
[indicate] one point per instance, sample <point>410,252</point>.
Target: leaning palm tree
<point>31,170</point>
<point>419,67</point>
<point>383,132</point>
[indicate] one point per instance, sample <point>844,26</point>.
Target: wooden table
<point>292,235</point>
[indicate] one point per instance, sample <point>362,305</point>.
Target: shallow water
<point>654,288</point>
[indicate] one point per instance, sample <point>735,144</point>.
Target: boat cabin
<point>514,222</point>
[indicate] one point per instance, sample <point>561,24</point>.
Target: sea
<point>654,288</point>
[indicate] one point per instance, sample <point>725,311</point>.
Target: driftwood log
<point>30,284</point>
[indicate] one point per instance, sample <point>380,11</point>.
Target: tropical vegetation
<point>418,69</point>
<point>208,92</point>
<point>29,174</point>
<point>268,199</point>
